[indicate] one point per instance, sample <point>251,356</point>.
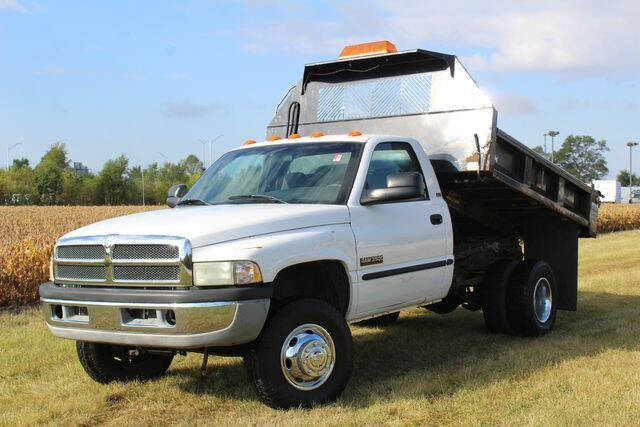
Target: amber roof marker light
<point>273,138</point>
<point>371,48</point>
<point>249,142</point>
<point>354,133</point>
<point>317,134</point>
<point>294,136</point>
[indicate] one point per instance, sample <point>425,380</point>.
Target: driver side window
<point>389,158</point>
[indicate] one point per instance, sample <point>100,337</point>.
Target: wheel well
<point>325,280</point>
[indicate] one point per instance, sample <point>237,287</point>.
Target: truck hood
<point>206,225</point>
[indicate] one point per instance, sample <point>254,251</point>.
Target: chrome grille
<point>81,252</point>
<point>153,273</point>
<point>81,272</point>
<point>145,252</point>
<point>123,260</point>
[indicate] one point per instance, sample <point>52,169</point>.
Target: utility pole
<point>211,147</point>
<point>631,145</point>
<point>553,134</point>
<point>545,141</point>
<point>142,171</point>
<point>9,149</point>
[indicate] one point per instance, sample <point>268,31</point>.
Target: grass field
<point>425,369</point>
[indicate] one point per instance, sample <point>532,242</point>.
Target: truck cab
<point>283,243</point>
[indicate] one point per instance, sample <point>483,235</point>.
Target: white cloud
<point>12,5</point>
<point>190,110</point>
<point>53,70</point>
<point>526,35</point>
<point>508,102</point>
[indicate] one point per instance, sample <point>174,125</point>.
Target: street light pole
<point>545,141</point>
<point>553,134</point>
<point>9,149</point>
<point>204,143</point>
<point>630,145</point>
<point>211,146</point>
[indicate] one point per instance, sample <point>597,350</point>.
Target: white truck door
<point>402,246</point>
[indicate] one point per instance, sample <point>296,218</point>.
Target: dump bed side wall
<point>550,186</point>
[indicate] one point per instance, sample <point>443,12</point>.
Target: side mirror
<point>175,193</point>
<point>400,186</point>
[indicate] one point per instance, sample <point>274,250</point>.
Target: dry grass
<point>426,369</point>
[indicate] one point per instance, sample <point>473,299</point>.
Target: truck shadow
<point>427,355</point>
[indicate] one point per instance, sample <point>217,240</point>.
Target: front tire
<point>533,298</point>
<point>304,357</point>
<point>106,363</point>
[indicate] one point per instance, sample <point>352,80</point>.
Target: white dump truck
<point>402,192</point>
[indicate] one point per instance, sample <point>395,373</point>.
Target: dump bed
<point>487,176</point>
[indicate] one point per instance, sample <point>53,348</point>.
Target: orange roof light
<point>294,136</point>
<point>274,138</point>
<point>355,133</point>
<point>249,142</point>
<point>371,48</point>
<point>316,134</point>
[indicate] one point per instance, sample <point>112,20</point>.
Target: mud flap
<point>556,242</point>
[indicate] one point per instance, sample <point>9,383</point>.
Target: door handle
<point>436,219</point>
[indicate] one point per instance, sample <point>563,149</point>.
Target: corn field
<point>30,231</point>
<point>28,234</point>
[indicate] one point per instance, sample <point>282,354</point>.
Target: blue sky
<point>144,78</point>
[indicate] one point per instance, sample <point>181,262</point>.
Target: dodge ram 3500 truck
<point>404,193</point>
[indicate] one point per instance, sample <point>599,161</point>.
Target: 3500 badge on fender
<point>368,260</point>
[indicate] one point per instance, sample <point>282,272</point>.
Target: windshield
<point>297,173</point>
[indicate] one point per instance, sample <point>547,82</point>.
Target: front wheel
<point>304,357</point>
<point>106,363</point>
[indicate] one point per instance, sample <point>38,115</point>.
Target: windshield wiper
<point>192,202</point>
<point>261,197</point>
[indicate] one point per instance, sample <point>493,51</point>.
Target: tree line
<point>54,182</point>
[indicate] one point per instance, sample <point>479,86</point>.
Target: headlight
<point>226,273</point>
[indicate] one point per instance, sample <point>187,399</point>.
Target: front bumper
<point>181,319</point>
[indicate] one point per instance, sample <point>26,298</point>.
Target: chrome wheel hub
<point>307,357</point>
<point>542,300</point>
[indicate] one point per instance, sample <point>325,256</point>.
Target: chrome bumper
<point>181,325</point>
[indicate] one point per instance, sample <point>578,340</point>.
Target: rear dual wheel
<point>520,297</point>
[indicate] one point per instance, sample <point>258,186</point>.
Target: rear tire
<point>106,363</point>
<point>493,296</point>
<point>304,356</point>
<point>380,321</point>
<point>533,298</point>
